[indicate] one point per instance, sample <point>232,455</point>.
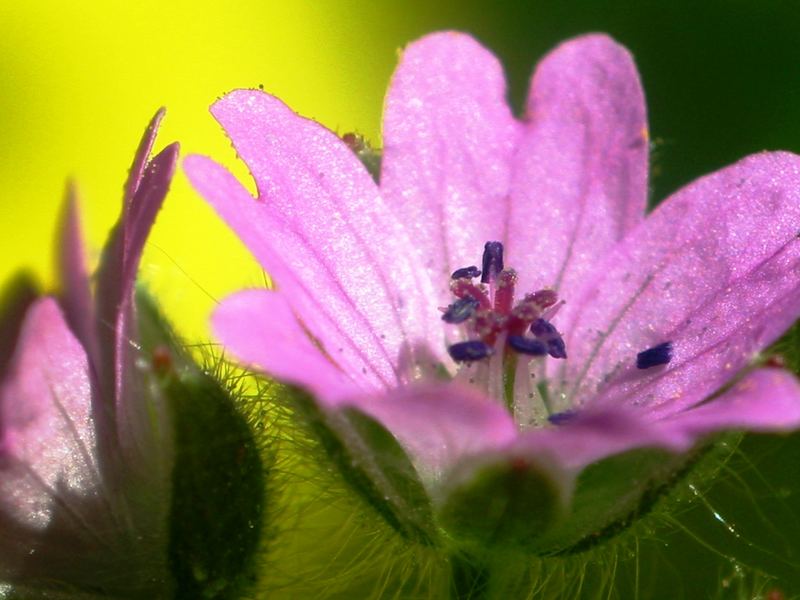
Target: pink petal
<point>438,424</point>
<point>140,158</point>
<point>260,329</point>
<point>448,141</point>
<point>76,297</point>
<point>594,435</point>
<point>765,400</point>
<point>121,255</point>
<point>347,245</point>
<point>320,303</point>
<point>47,439</point>
<point>580,175</point>
<point>714,270</point>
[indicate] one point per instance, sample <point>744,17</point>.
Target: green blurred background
<point>78,82</point>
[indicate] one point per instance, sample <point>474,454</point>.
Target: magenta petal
<point>320,303</point>
<point>580,175</point>
<point>76,297</point>
<point>438,424</point>
<point>714,270</point>
<point>326,202</point>
<point>120,261</point>
<point>765,400</point>
<point>448,141</point>
<point>144,207</point>
<point>595,435</point>
<point>142,154</point>
<point>47,438</point>
<point>259,328</point>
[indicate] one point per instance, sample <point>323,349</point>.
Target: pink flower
<point>662,316</point>
<point>84,472</point>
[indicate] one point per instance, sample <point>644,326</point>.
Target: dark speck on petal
<point>655,356</point>
<point>560,418</point>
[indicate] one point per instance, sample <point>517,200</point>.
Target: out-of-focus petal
<point>580,175</point>
<point>440,423</point>
<point>765,400</point>
<point>47,441</point>
<point>448,141</point>
<point>714,270</point>
<point>327,202</point>
<point>259,328</point>
<point>119,265</point>
<point>76,296</point>
<point>595,435</point>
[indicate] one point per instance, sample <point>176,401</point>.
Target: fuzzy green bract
<point>515,450</point>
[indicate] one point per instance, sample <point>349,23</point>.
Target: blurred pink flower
<point>362,271</point>
<point>84,479</point>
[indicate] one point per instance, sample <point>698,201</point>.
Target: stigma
<point>491,317</point>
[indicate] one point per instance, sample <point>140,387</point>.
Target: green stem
<point>469,578</point>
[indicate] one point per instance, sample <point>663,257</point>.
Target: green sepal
<point>16,295</point>
<point>216,517</point>
<point>528,505</point>
<point>369,156</point>
<point>375,466</point>
<point>610,495</point>
<point>502,500</point>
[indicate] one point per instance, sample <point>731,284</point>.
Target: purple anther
<point>655,356</point>
<point>466,273</point>
<point>492,261</point>
<point>469,351</point>
<point>460,310</point>
<point>560,418</point>
<point>527,346</point>
<point>543,330</point>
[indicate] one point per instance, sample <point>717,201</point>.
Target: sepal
<point>374,465</point>
<point>503,500</point>
<point>217,512</point>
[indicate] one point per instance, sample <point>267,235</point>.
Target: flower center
<point>499,331</point>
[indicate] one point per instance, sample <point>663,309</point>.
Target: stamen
<point>469,351</point>
<point>492,261</point>
<point>655,356</point>
<point>543,330</point>
<point>528,346</point>
<point>560,418</point>
<point>466,273</point>
<point>464,288</point>
<point>460,310</point>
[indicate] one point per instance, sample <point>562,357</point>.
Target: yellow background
<point>79,82</point>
